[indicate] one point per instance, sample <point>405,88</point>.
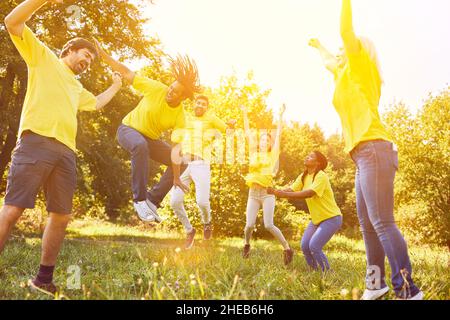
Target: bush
<point>418,224</point>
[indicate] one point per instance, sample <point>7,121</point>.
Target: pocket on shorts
<point>21,157</point>
<point>22,169</point>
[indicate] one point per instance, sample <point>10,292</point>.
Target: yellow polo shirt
<point>261,168</point>
<point>153,115</point>
<point>197,136</point>
<point>323,205</point>
<point>54,95</point>
<point>356,99</point>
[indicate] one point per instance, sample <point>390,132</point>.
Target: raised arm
<point>276,145</point>
<point>117,66</point>
<point>329,60</point>
<point>351,42</point>
<point>104,98</point>
<point>246,122</point>
<point>15,21</point>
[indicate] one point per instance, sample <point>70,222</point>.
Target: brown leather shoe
<point>288,256</point>
<point>190,239</point>
<point>207,232</point>
<point>246,253</point>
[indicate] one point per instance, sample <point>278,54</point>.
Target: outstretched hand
<point>117,79</point>
<point>315,43</point>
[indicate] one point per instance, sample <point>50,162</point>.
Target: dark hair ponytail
<point>323,164</point>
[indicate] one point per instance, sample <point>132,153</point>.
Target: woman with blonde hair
<point>358,81</point>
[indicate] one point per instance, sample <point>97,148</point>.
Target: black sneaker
<point>207,231</point>
<point>190,239</point>
<point>47,288</point>
<point>246,253</point>
<point>288,256</point>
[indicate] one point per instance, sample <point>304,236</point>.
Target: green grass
<point>120,262</point>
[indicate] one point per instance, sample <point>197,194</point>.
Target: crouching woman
<point>326,218</point>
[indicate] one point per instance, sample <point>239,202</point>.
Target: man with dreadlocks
<point>314,186</point>
<point>140,132</point>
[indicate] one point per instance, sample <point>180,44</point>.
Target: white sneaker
<point>143,211</point>
<point>374,294</point>
<point>418,296</point>
<point>153,210</point>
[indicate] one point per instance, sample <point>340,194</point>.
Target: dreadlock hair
<point>185,72</point>
<point>323,164</point>
<point>76,44</point>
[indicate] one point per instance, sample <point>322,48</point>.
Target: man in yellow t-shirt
<point>326,218</point>
<point>140,133</point>
<point>358,79</point>
<point>45,151</point>
<point>196,144</point>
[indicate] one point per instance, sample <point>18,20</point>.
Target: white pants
<point>198,172</point>
<point>258,197</point>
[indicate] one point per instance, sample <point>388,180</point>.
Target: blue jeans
<point>141,150</point>
<point>377,163</point>
<point>315,238</point>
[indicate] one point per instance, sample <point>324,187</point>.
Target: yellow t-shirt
<point>153,115</point>
<point>198,134</point>
<point>54,95</point>
<point>323,205</point>
<point>356,99</point>
<point>262,168</point>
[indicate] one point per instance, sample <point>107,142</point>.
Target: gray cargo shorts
<point>37,162</point>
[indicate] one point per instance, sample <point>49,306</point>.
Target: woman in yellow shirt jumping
<point>358,81</point>
<point>326,218</point>
<point>263,166</point>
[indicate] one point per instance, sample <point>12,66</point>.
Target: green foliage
<point>423,181</point>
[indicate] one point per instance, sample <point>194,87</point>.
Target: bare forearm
<point>325,54</point>
<point>15,21</point>
<point>295,195</point>
<point>117,66</point>
<point>104,98</point>
<point>276,145</point>
<point>328,59</point>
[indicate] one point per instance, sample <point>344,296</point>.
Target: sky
<point>271,37</point>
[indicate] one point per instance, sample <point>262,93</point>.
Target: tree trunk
<point>12,104</point>
<point>6,93</point>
